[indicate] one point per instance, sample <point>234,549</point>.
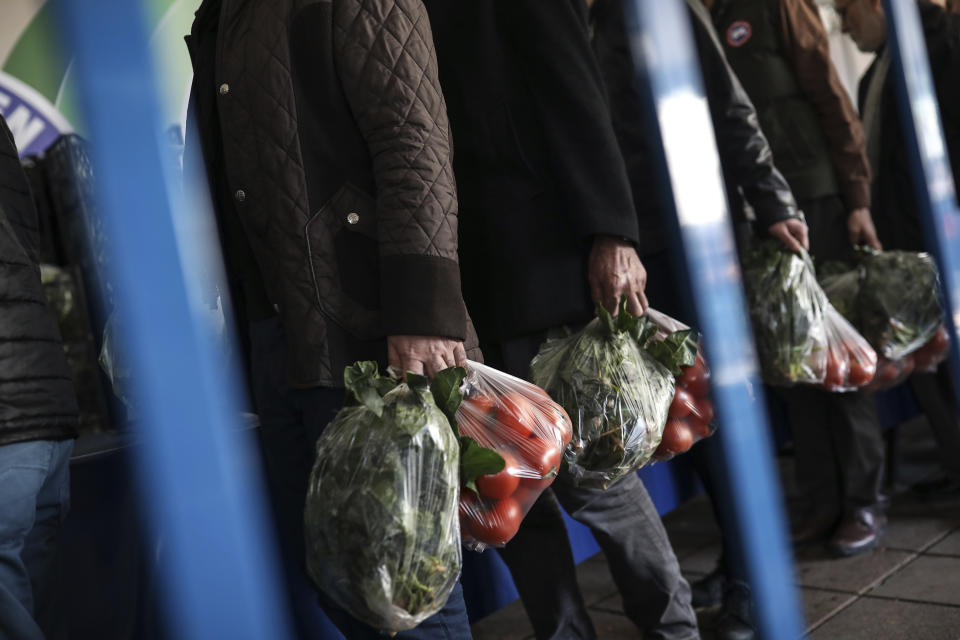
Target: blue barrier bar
<point>221,579</point>
<point>665,53</point>
<point>929,161</point>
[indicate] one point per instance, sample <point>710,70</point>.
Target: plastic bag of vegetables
<point>801,338</point>
<point>615,392</point>
<point>691,414</point>
<point>381,523</point>
<point>893,297</point>
<point>528,430</point>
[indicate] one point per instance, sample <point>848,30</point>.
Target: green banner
<point>38,92</point>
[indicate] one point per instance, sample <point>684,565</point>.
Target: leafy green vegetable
<point>615,392</point>
<point>892,297</point>
<point>382,527</point>
<point>899,301</point>
<point>475,460</point>
<point>787,309</point>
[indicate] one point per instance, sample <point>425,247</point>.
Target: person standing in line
<point>38,417</point>
<point>750,177</point>
<point>326,144</point>
<point>898,220</point>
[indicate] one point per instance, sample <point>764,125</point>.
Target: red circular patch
<point>739,33</point>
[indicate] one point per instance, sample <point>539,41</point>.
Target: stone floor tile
<point>686,544</point>
<point>816,568</point>
<point>593,575</point>
<point>819,604</point>
<point>694,517</point>
<point>934,579</point>
<point>949,546</point>
<point>613,626</point>
<point>916,532</point>
<point>879,619</point>
<point>702,561</point>
<point>508,623</point>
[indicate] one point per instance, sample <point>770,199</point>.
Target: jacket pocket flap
<point>352,209</point>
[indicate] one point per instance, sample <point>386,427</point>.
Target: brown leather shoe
<point>816,526</point>
<point>859,531</point>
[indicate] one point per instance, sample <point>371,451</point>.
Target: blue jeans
<point>34,500</point>
<point>291,420</point>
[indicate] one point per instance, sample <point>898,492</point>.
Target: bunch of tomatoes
<point>530,431</point>
<point>890,373</point>
<point>691,411</point>
<point>851,362</point>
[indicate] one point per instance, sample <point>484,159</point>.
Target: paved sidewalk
<point>908,589</point>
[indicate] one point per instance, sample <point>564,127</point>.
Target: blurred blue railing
<point>929,160</point>
<point>220,578</point>
<point>669,75</point>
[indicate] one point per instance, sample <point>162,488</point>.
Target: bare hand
<point>615,271</point>
<point>424,355</point>
<point>862,231</point>
<point>793,233</point>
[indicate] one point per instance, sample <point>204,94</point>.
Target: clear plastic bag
<point>893,297</point>
<point>691,414</point>
<point>381,523</point>
<point>899,301</point>
<point>615,392</point>
<point>530,431</point>
<point>801,338</point>
<point>851,361</point>
<point>787,309</point>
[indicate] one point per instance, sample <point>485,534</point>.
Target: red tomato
<point>931,353</point>
<point>682,403</point>
<point>837,368</point>
<point>698,426</point>
<point>516,413</point>
<point>474,426</point>
<point>677,437</point>
<point>906,367</point>
<point>497,525</point>
<point>542,456</point>
<point>479,403</point>
<point>561,422</point>
<point>861,372</point>
<point>703,410</point>
<point>696,379</point>
<point>500,484</point>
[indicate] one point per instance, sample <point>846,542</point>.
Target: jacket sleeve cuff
<point>856,195</point>
<point>420,296</point>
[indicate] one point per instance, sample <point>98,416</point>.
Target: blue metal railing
<point>220,577</point>
<point>666,58</point>
<point>933,180</point>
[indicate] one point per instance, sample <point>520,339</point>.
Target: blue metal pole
<point>668,67</point>
<point>929,159</point>
<point>221,578</point>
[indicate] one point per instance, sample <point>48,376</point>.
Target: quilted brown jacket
<point>335,154</point>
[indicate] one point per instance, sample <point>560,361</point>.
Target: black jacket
<point>744,152</point>
<point>325,133</point>
<point>538,168</point>
<point>37,400</point>
<point>894,203</point>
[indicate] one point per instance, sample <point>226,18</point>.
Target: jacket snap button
<point>353,217</point>
<point>224,89</point>
<point>240,195</point>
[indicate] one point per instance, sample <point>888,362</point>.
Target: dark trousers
<point>291,420</point>
<point>624,522</point>
<point>839,448</point>
<point>837,436</point>
<point>935,395</point>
